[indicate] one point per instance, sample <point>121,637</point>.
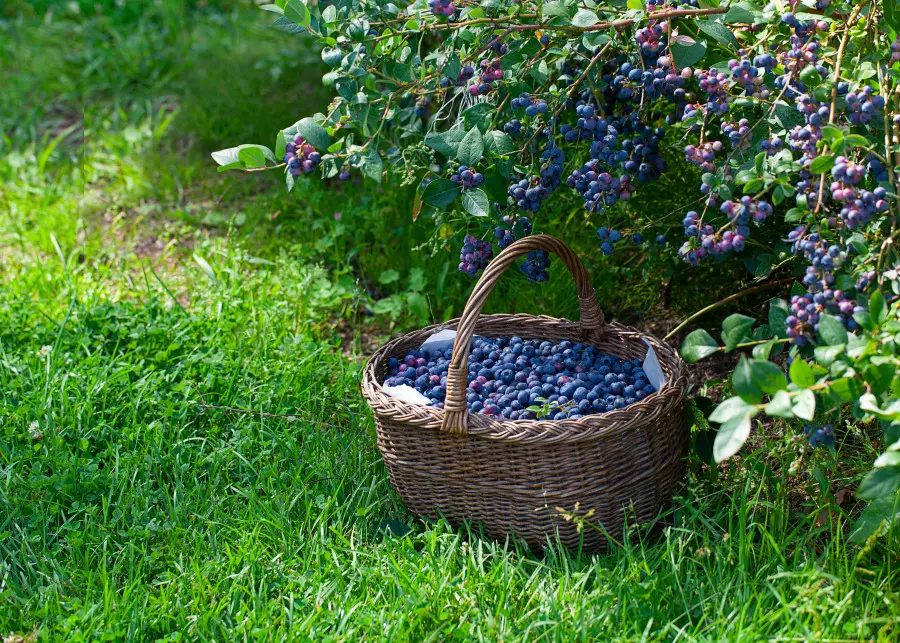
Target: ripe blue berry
<point>526,379</point>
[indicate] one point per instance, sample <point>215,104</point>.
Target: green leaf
<point>802,374</point>
<point>762,351</point>
<point>418,305</point>
<point>731,408</point>
<point>697,345</point>
<point>686,51</point>
<point>440,193</point>
<point>237,165</point>
<point>810,76</point>
<point>831,330</point>
<point>744,383</point>
<point>767,376</point>
<point>778,314</point>
<point>332,56</point>
<point>754,186</point>
<point>388,277</point>
<point>805,404</point>
<point>480,115</point>
<point>832,133</point>
<point>254,156</point>
<point>844,390</point>
<point>555,10</point>
<point>877,308</point>
<point>856,140</point>
<point>718,32</point>
<point>288,26</point>
<point>863,318</point>
<point>315,134</point>
<point>780,405</point>
<point>452,67</point>
<point>585,18</point>
<point>447,143</point>
<point>372,165</point>
<point>417,279</point>
<point>879,483</point>
<point>732,435</point>
<point>735,329</point>
<point>742,12</point>
<point>869,403</point>
<point>888,459</point>
<point>498,142</point>
<point>540,72</point>
<point>227,157</point>
<point>296,11</point>
<point>879,375</point>
<point>825,355</point>
<point>476,203</point>
<point>883,511</point>
<point>821,164</point>
<point>471,148</point>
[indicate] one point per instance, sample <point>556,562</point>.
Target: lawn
<point>184,451</point>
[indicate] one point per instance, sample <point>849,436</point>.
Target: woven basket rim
<point>589,427</point>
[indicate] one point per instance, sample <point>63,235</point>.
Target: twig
<point>834,92</point>
<point>730,298</point>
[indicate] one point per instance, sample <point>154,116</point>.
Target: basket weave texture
<point>524,476</point>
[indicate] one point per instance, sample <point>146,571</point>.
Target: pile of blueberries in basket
<point>528,379</point>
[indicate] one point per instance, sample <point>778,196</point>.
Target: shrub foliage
<point>788,109</point>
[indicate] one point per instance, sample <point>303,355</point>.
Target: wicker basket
<point>523,476</point>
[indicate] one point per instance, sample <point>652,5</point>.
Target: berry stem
<point>264,169</point>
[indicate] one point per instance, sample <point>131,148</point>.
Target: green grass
<point>184,453</point>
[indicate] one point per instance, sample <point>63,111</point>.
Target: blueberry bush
<point>789,110</point>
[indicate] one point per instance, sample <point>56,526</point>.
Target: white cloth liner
<point>443,339</point>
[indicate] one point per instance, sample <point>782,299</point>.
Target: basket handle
<point>456,411</point>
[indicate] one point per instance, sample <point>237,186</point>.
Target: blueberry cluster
<point>300,156</point>
<point>490,73</point>
<point>498,46</point>
<point>442,8</point>
<point>467,178</point>
<point>532,106</point>
<point>529,193</point>
<point>771,146</point>
<point>858,205</point>
<point>865,280</point>
<point>715,84</point>
<point>652,37</point>
<point>535,265</point>
<point>608,237</point>
<point>750,75</point>
<point>475,255</point>
<point>737,133</point>
<point>876,169</point>
<point>895,50</point>
<point>819,435</point>
<point>821,296</point>
<point>704,155</point>
<point>599,189</point>
<point>705,240</point>
<point>633,81</point>
<point>506,236</point>
<point>513,127</point>
<point>520,379</point>
<point>863,106</point>
<point>466,73</point>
